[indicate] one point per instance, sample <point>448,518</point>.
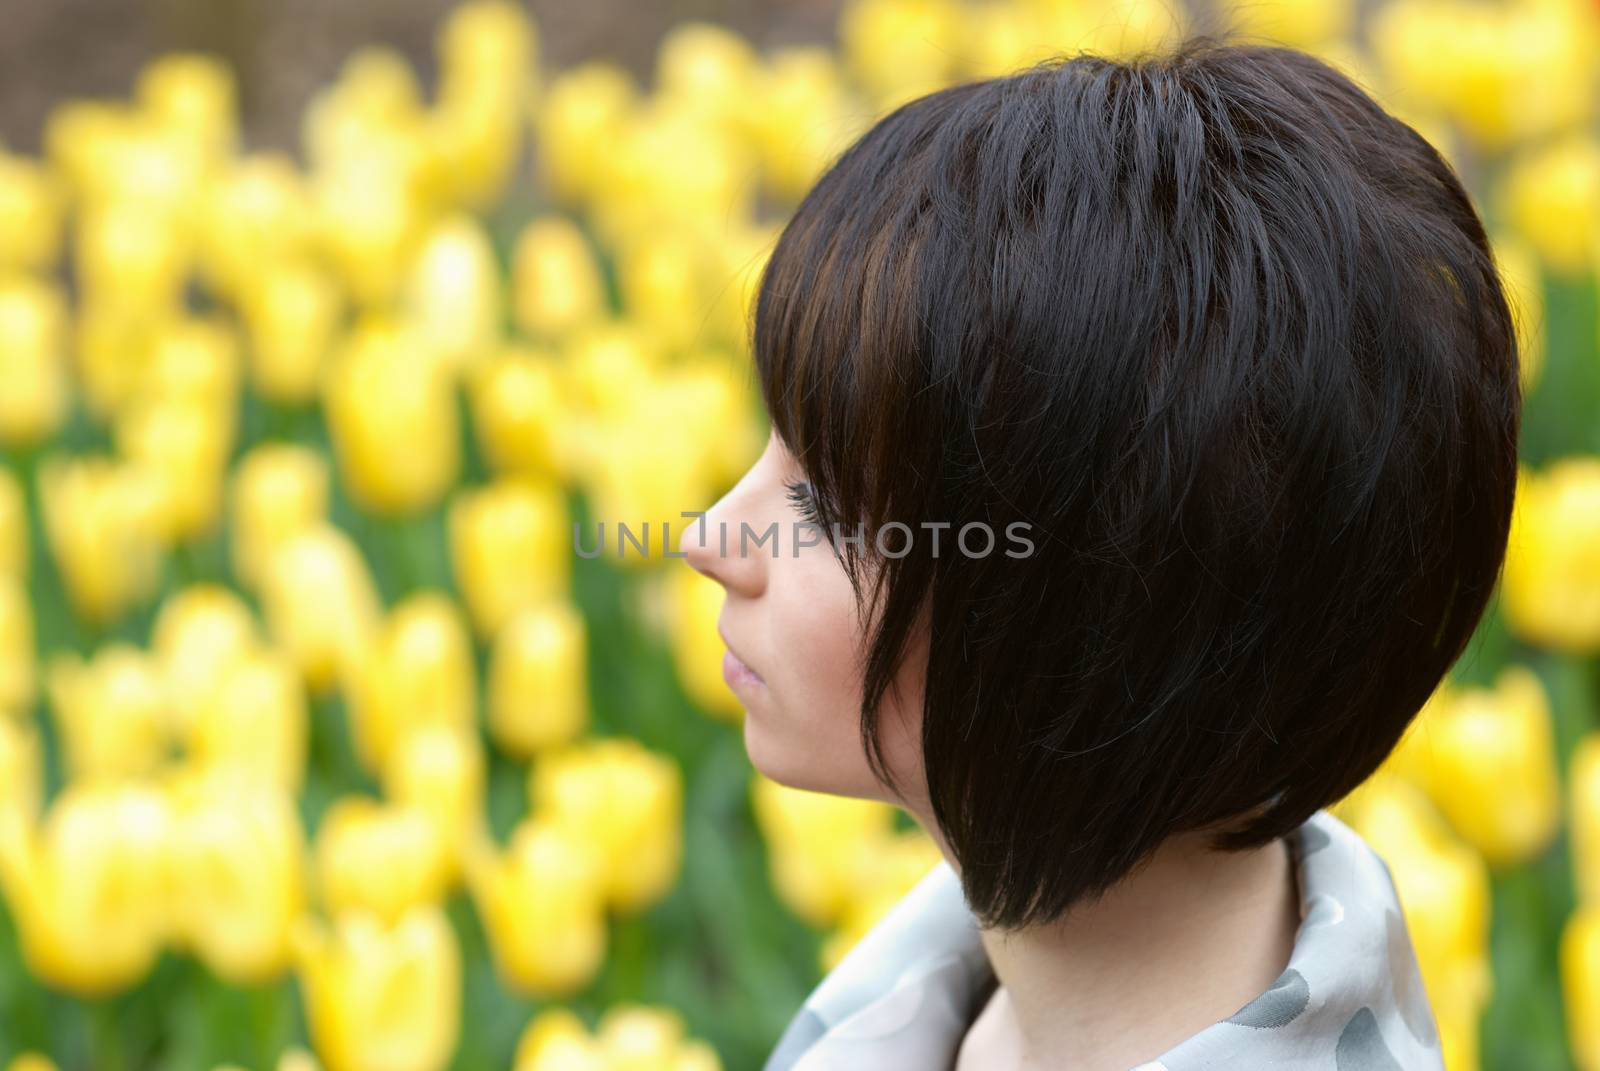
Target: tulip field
<point>320,744</point>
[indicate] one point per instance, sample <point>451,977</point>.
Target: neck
<point>1182,943</point>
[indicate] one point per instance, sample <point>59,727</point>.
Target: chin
<point>760,748</point>
<point>800,765</point>
<point>787,763</point>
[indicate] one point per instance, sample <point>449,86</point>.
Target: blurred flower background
<point>319,745</point>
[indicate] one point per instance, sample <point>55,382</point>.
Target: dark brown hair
<point>1230,338</point>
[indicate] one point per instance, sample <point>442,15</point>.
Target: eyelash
<point>799,494</point>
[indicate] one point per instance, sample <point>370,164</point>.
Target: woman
<point>1215,351</point>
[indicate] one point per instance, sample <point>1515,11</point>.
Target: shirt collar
<point>1350,998</point>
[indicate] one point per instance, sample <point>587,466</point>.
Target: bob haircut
<point>1232,341</point>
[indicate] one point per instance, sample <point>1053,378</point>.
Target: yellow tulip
<point>1406,39</point>
<point>641,486</point>
<point>1303,24</point>
<point>113,712</point>
<point>697,1055</point>
<point>31,1061</point>
<point>1580,985</point>
<point>542,904</point>
<point>453,291</point>
<point>391,409</point>
<point>368,218</point>
<point>195,95</point>
<point>652,465</point>
<point>703,393</point>
<point>293,311</point>
<point>382,997</point>
<point>555,279</point>
<point>253,719</point>
<point>887,874</point>
<point>488,70</point>
<point>88,887</point>
<point>1470,59</point>
<point>383,858</point>
<point>475,133</point>
<point>100,522</point>
<point>1551,580</point>
<point>13,526</point>
<point>708,67</point>
<point>539,679</point>
<point>510,548</point>
<point>1000,38</point>
<point>1392,805</point>
<point>662,277</point>
<point>112,347</point>
<point>371,120</point>
<point>376,86</point>
<point>817,844</point>
<point>238,872</point>
<point>488,41</point>
<point>79,137</point>
<point>899,49</point>
<point>744,258</point>
<point>182,447</point>
<point>32,209</point>
<point>1443,886</point>
<point>579,115</point>
<point>1487,757</point>
<point>148,164</point>
<point>439,769</point>
<point>320,602</point>
<point>557,1040</point>
<point>1524,286</point>
<point>629,1037</point>
<point>672,166</point>
<point>807,116</point>
<point>518,414</point>
<point>194,358</point>
<point>1584,790</point>
<point>1412,758</point>
<point>295,1058</point>
<point>131,253</point>
<point>607,364</point>
<point>18,684</point>
<point>1551,196</point>
<point>21,772</point>
<point>198,634</point>
<point>628,801</point>
<point>640,1037</point>
<point>418,670</point>
<point>257,214</point>
<point>33,360</point>
<point>1459,1023</point>
<point>694,605</point>
<point>278,490</point>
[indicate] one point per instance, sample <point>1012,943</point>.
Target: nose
<point>712,544</point>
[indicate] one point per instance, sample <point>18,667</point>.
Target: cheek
<point>810,737</point>
<point>807,735</point>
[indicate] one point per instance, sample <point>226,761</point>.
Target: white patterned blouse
<point>1350,999</point>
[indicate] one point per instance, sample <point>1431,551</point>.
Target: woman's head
<point>1227,341</point>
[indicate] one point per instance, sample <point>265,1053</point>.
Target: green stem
<point>106,1038</point>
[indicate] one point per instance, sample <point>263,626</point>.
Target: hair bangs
<point>841,338</point>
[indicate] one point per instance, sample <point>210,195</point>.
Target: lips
<point>735,670</point>
<point>737,674</point>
